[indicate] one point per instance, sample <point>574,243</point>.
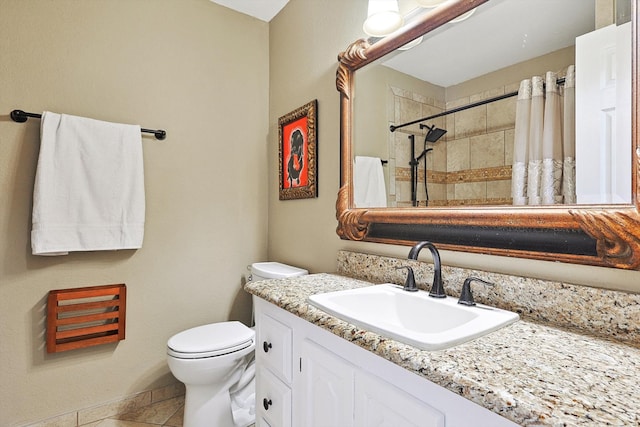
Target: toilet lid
<point>210,340</point>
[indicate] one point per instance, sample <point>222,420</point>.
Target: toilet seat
<point>215,339</point>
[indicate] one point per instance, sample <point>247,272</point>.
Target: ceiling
<point>264,10</point>
<point>500,33</point>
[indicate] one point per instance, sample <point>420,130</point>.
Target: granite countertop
<point>530,373</point>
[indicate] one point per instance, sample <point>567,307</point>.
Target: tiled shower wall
<point>470,165</point>
<point>409,106</point>
<point>480,149</point>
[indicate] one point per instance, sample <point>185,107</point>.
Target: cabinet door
<point>327,396</point>
<point>274,346</point>
<point>273,400</point>
<point>380,404</point>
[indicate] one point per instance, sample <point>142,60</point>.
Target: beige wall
<point>512,75</point>
<point>302,232</point>
<point>210,78</point>
<point>305,39</point>
<point>191,67</point>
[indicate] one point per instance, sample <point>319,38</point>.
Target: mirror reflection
<point>524,102</point>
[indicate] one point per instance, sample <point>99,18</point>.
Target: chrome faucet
<point>437,288</point>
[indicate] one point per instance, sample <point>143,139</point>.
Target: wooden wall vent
<point>84,317</point>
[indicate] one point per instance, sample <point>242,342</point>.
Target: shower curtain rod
<point>22,116</point>
<point>393,128</point>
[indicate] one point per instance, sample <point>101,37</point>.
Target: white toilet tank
<point>274,270</point>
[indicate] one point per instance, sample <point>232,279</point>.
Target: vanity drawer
<point>273,400</point>
<point>274,346</point>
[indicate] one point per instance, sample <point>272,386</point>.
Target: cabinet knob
<point>266,346</point>
<point>266,403</point>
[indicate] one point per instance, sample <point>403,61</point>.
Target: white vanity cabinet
<point>306,376</point>
<point>274,368</point>
<point>326,390</point>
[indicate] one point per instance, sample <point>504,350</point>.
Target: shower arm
<point>423,154</point>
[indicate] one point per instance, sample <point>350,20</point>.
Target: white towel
<point>89,186</point>
<point>368,183</point>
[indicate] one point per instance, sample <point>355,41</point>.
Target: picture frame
<point>298,153</point>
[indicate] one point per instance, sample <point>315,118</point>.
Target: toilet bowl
<point>216,364</point>
<point>210,360</point>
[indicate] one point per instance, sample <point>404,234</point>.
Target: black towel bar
<point>22,116</point>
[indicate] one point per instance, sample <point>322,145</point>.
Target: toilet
<point>216,364</point>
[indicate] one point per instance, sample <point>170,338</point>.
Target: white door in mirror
<point>603,115</point>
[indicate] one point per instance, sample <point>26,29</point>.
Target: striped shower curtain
<point>543,170</point>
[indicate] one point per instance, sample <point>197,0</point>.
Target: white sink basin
<point>413,317</point>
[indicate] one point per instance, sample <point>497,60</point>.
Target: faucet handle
<point>466,297</point>
<point>410,283</point>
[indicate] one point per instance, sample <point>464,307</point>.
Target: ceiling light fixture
<point>383,18</point>
<point>464,16</point>
<point>430,3</point>
<point>435,3</point>
<point>412,43</point>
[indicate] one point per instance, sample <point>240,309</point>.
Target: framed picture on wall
<point>298,153</point>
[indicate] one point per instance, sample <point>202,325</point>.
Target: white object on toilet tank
<point>274,270</point>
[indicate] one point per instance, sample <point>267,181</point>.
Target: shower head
<point>433,134</point>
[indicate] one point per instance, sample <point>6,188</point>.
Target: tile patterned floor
<point>167,413</point>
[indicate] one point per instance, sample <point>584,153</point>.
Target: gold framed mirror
<point>604,234</point>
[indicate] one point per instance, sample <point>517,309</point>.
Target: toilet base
<point>201,409</point>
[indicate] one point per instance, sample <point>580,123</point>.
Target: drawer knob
<point>266,346</point>
<point>266,403</point>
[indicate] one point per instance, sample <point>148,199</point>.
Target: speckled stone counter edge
<point>529,373</point>
<point>601,312</point>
